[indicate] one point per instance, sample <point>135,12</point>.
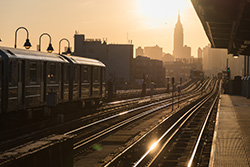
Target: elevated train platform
<point>231,141</point>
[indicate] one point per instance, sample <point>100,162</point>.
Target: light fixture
<point>235,56</point>
<point>68,52</point>
<point>27,44</point>
<point>50,49</point>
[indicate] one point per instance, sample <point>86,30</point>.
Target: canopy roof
<point>226,23</point>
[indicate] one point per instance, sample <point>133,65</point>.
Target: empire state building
<point>180,52</point>
<point>178,39</point>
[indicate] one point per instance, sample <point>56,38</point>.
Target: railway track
<point>108,110</point>
<point>43,128</point>
<point>179,140</point>
<point>85,141</point>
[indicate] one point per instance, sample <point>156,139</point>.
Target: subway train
<point>31,80</point>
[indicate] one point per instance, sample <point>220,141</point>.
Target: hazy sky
<point>147,22</point>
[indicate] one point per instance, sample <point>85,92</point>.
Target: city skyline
<point>146,23</point>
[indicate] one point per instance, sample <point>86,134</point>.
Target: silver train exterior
<point>30,80</point>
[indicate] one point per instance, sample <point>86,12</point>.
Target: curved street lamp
<point>68,52</point>
<point>27,44</point>
<point>50,49</point>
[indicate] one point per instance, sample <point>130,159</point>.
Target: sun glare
<point>161,9</point>
<point>153,146</point>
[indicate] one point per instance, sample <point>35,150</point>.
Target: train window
<point>85,74</point>
<point>52,72</point>
<point>66,73</point>
<point>76,73</point>
<point>103,75</point>
<point>33,72</point>
<point>96,74</point>
<point>13,72</point>
<point>10,72</point>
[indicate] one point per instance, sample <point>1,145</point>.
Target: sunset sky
<point>145,22</point>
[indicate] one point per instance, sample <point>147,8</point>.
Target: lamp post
<point>50,49</point>
<point>68,52</point>
<point>27,44</point>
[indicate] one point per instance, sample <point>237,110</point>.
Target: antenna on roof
<point>76,32</point>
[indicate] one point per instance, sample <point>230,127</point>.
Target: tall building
<point>186,52</point>
<point>199,53</point>
<point>215,60</point>
<point>152,52</point>
<point>116,57</point>
<point>178,39</point>
<point>153,70</point>
<point>180,52</point>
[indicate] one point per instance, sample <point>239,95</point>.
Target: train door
<point>21,84</point>
<point>62,81</point>
<point>91,81</point>
<point>80,81</point>
<point>102,93</point>
<point>43,82</point>
<point>65,79</point>
<point>76,72</point>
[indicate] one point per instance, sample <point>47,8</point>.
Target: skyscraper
<point>178,39</point>
<point>180,52</point>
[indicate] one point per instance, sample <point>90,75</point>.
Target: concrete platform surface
<point>231,142</point>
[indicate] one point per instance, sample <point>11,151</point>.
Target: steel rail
<point>128,148</point>
<point>190,162</point>
<point>97,135</point>
<point>117,115</point>
<point>120,124</point>
<point>182,122</point>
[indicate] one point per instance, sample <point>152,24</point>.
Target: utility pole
<point>173,89</point>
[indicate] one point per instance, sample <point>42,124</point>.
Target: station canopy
<point>226,23</point>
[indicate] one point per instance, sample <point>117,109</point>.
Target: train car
<point>28,77</point>
<point>32,80</point>
<point>87,81</point>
